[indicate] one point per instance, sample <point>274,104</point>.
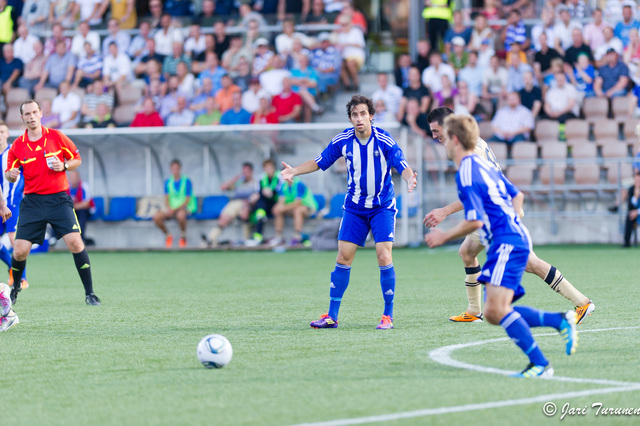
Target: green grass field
<point>132,361</point>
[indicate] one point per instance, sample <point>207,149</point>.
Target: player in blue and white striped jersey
<point>490,204</point>
<point>12,193</point>
<point>369,205</point>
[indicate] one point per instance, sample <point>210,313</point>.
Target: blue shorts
<point>12,223</point>
<point>381,221</point>
<point>505,266</point>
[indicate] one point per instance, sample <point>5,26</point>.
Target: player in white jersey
<point>472,246</point>
<point>369,205</point>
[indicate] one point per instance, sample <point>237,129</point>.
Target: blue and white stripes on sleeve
<point>368,166</point>
<point>11,192</point>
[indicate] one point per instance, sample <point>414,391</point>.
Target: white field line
<point>443,356</point>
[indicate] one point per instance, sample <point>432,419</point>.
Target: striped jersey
<point>368,165</point>
<point>487,196</point>
<point>483,150</point>
<point>12,192</point>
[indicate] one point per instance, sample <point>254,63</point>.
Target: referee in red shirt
<point>44,155</point>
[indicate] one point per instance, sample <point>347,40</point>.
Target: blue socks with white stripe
<point>5,256</point>
<point>518,330</point>
<point>339,284</point>
<point>537,318</point>
<point>388,285</point>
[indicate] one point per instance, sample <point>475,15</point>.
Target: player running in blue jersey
<point>369,205</point>
<point>12,193</point>
<point>490,203</point>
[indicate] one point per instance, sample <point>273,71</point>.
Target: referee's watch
<point>66,166</point>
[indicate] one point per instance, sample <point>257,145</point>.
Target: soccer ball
<point>214,351</point>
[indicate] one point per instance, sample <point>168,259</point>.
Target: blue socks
<point>537,318</point>
<point>388,285</point>
<point>339,284</point>
<point>518,330</point>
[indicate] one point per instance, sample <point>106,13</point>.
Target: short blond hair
<point>464,128</point>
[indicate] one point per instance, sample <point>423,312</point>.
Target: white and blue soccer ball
<point>214,351</point>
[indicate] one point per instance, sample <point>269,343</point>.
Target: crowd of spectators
<point>514,74</point>
<point>181,66</point>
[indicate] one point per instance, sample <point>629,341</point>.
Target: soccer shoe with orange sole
<point>386,323</point>
<point>168,242</point>
<point>584,311</point>
<point>325,321</point>
<point>182,242</point>
<point>23,284</point>
<point>467,317</point>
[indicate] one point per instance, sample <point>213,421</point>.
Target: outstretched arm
<point>437,237</point>
<point>289,172</point>
<point>436,216</point>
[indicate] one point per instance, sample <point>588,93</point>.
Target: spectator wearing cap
<point>262,58</point>
<point>481,31</point>
<point>627,24</point>
<point>304,81</point>
<point>288,105</point>
<point>117,36</point>
<point>251,97</point>
<point>513,122</point>
<point>547,15</point>
<point>284,41</point>
<point>432,76</point>
<point>237,114</point>
<point>577,48</point>
<point>612,78</point>
<point>170,63</point>
<point>542,58</point>
<point>327,61</point>
<point>181,116</point>
<point>472,74</point>
<point>213,71</point>
<point>167,35</point>
<point>350,41</point>
<point>610,42</point>
<point>531,95</point>
<point>148,117</point>
<point>458,57</point>
<point>561,100</point>
<point>266,113</point>
<point>211,114</point>
<point>195,44</point>
<point>458,29</point>
<point>582,75</point>
<point>514,31</point>
<point>563,29</point>
<point>593,31</point>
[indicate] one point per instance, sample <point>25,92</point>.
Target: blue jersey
<point>12,191</point>
<point>486,195</point>
<point>369,166</point>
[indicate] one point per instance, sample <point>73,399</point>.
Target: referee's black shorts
<point>36,210</point>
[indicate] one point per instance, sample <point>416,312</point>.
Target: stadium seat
<point>525,151</point>
<point>123,115</point>
<point>121,208</point>
<point>605,129</point>
<point>594,108</point>
<point>630,135</point>
<point>15,96</point>
<point>147,207</point>
<point>558,174</point>
<point>554,151</point>
<point>576,129</point>
<point>614,176</point>
<point>99,213</point>
<point>620,107</point>
<point>14,121</point>
<point>586,174</point>
<point>131,96</point>
<point>547,129</point>
<point>500,151</point>
<point>212,207</point>
<point>46,93</point>
<point>614,149</point>
<point>486,130</point>
<point>435,157</point>
<point>521,176</point>
<point>320,200</point>
<point>79,91</point>
<point>585,150</point>
<point>335,208</point>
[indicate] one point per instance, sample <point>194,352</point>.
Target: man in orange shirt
<point>43,156</point>
<point>224,96</point>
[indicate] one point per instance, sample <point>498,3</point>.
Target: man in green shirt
<point>180,203</point>
<point>295,200</point>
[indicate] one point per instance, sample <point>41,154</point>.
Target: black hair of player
<point>438,115</point>
<point>359,100</point>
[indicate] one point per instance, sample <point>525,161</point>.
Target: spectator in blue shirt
<point>582,76</point>
<point>515,32</point>
<point>457,30</point>
<point>237,114</point>
<point>613,77</point>
<point>177,8</point>
<point>10,68</point>
<point>628,23</point>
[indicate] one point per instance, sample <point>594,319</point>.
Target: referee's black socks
<point>17,270</point>
<point>84,270</point>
